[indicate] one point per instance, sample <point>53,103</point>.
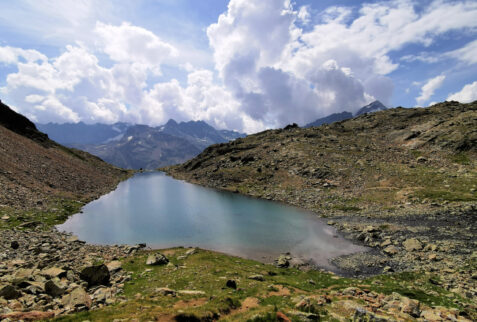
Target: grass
<point>208,272</point>
<point>58,211</point>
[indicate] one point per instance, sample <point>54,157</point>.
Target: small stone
<point>190,292</point>
<point>231,284</point>
<point>157,259</point>
<point>412,244</point>
<point>391,250</point>
<point>257,277</point>
<point>421,159</point>
<point>191,252</point>
<point>165,291</point>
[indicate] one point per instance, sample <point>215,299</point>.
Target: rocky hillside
<point>403,181</point>
<point>43,177</point>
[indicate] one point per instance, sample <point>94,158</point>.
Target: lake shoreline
<point>85,225</point>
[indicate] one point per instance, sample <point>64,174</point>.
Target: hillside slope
<point>383,178</point>
<point>41,176</point>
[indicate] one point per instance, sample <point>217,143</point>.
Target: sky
<point>240,64</point>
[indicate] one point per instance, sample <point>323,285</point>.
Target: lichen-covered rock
<point>157,259</point>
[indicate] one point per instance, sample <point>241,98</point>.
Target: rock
<point>114,266</point>
<point>391,250</point>
<point>191,252</point>
<point>53,272</point>
<point>72,239</point>
<point>9,292</point>
<point>283,261</point>
<point>157,259</point>
<point>412,244</point>
<point>77,299</point>
<point>421,159</point>
<point>165,291</point>
<point>231,284</point>
<point>14,244</point>
<point>430,315</point>
<point>257,277</point>
<point>95,275</point>
<point>190,292</point>
<point>5,217</point>
<point>101,295</point>
<point>54,289</point>
<point>411,307</point>
<point>385,243</point>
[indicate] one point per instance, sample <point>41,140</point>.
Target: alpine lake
<point>163,212</point>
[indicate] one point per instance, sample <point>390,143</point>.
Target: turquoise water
<point>163,212</point>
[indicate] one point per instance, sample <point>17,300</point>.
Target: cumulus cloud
<point>10,55</point>
<point>429,88</point>
<point>466,95</point>
<point>131,44</point>
<point>275,63</point>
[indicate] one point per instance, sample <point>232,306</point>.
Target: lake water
<point>163,212</point>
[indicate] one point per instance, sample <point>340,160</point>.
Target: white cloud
<point>468,94</point>
<point>467,54</point>
<point>10,55</point>
<point>429,88</point>
<point>131,44</point>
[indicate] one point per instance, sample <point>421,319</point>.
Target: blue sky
<point>238,64</point>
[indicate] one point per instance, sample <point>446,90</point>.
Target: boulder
<point>9,292</point>
<point>53,272</point>
<point>157,259</point>
<point>114,266</point>
<point>54,288</point>
<point>412,244</point>
<point>391,250</point>
<point>14,244</point>
<point>283,261</point>
<point>231,284</point>
<point>77,299</point>
<point>95,275</point>
<point>257,277</point>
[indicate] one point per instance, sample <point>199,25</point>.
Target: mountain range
<point>337,117</point>
<point>139,146</point>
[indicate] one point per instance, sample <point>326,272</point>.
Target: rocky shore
<point>47,273</point>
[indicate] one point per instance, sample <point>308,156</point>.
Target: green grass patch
<point>460,158</point>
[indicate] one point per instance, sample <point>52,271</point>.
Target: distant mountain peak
<point>171,122</point>
<point>371,107</point>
